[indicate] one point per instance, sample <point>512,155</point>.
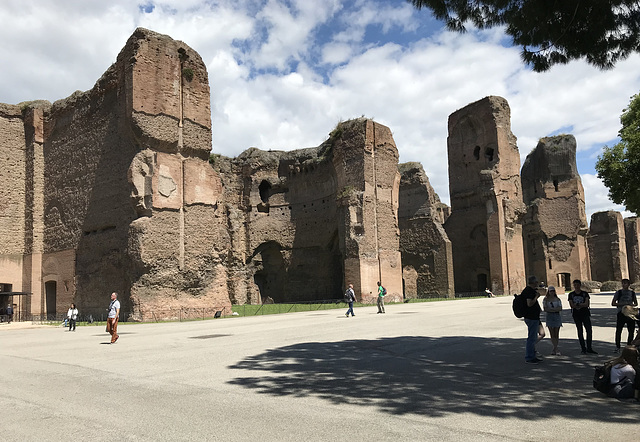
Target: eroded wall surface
<point>427,257</point>
<point>12,195</point>
<point>305,223</point>
<point>112,190</point>
<point>486,199</point>
<point>555,226</point>
<point>607,247</point>
<point>632,238</point>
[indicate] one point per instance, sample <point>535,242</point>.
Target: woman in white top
<point>623,373</point>
<point>72,315</point>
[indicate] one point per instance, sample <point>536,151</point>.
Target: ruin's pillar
<point>486,199</point>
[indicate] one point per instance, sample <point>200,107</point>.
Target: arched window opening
<point>265,191</point>
<point>488,153</point>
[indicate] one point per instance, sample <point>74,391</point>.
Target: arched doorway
<point>50,289</point>
<point>271,276</point>
<point>482,282</point>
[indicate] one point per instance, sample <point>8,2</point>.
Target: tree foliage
<point>552,31</point>
<point>619,166</point>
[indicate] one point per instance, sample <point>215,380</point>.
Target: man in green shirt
<point>381,292</point>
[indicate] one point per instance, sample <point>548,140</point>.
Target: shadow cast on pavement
<point>436,377</point>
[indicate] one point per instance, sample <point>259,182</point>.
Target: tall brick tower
<point>486,199</point>
<point>555,227</point>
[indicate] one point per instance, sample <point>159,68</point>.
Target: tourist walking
<point>381,293</point>
<point>552,305</point>
<point>535,330</point>
<point>579,302</point>
<point>623,297</point>
<point>350,297</point>
<point>72,315</point>
<point>112,317</point>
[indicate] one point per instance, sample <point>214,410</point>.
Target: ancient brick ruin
<point>120,195</point>
<point>305,223</point>
<point>607,246</point>
<point>486,199</point>
<point>555,226</point>
<point>114,189</point>
<point>427,257</point>
<point>632,236</point>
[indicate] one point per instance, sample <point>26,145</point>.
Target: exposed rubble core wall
<point>298,227</point>
<point>486,199</point>
<point>113,189</point>
<point>607,247</point>
<point>33,280</point>
<point>555,226</point>
<point>427,257</point>
<point>177,242</point>
<point>12,195</point>
<point>127,180</point>
<point>365,159</point>
<point>632,236</point>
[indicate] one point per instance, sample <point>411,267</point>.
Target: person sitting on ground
<point>623,373</point>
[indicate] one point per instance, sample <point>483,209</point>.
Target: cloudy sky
<point>283,73</point>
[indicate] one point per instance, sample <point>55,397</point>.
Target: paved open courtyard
<point>430,371</point>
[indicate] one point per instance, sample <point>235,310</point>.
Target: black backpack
<point>602,378</point>
<point>519,305</point>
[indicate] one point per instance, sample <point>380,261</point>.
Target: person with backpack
<point>623,297</point>
<point>350,297</point>
<point>579,302</point>
<point>532,318</point>
<point>623,373</point>
<point>381,293</point>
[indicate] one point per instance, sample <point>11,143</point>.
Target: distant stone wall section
<point>306,223</point>
<point>12,191</point>
<point>427,257</point>
<point>486,199</point>
<point>632,237</point>
<point>607,247</point>
<point>555,226</point>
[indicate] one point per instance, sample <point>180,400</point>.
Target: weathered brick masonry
<point>113,189</point>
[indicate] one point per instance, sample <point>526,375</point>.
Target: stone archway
<point>270,275</point>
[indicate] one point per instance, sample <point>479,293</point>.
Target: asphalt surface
<point>445,371</point>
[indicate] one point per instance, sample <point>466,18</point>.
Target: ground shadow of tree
<point>436,377</point>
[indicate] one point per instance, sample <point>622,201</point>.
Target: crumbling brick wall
<point>427,259</point>
<point>607,247</point>
<point>12,195</point>
<point>486,199</point>
<point>555,225</point>
<point>632,237</point>
<point>296,217</point>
